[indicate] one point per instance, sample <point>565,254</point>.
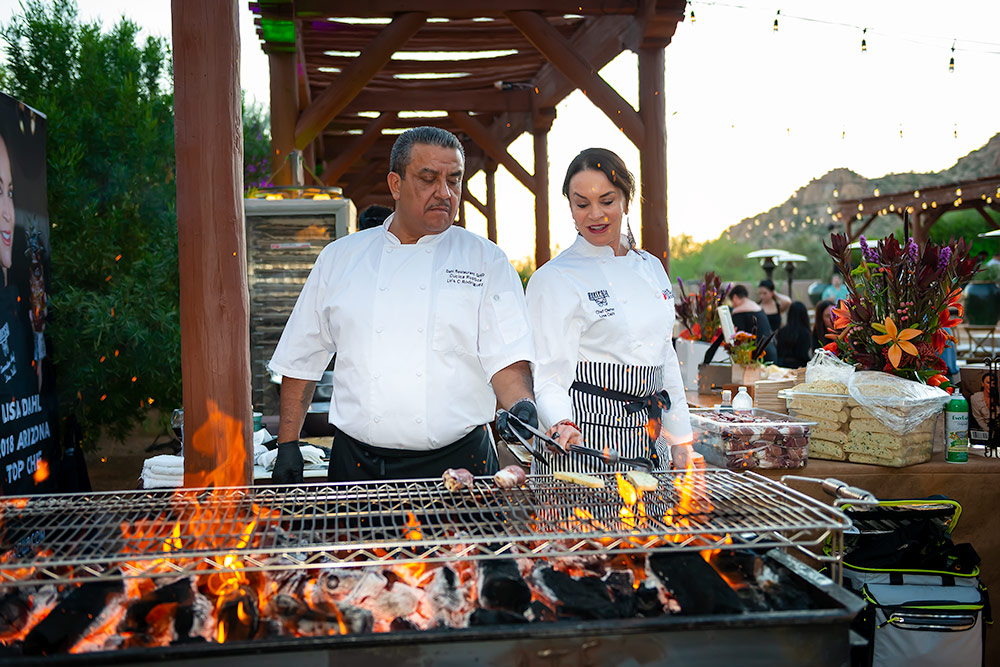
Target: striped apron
<point>612,404</point>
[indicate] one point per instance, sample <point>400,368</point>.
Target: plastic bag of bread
<point>901,405</point>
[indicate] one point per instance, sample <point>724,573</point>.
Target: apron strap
<point>654,405</point>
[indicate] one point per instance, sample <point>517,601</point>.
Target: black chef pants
<point>353,461</point>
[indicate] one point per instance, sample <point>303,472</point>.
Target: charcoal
<point>336,584</point>
<point>539,612</point>
<point>195,621</point>
<point>495,617</point>
<point>315,620</point>
<point>449,605</point>
<point>400,600</point>
<point>180,592</point>
<point>67,622</point>
<point>647,600</point>
<point>238,614</point>
<point>15,608</point>
<point>357,620</point>
<point>502,587</point>
<point>695,584</point>
<point>781,592</point>
<point>581,597</point>
<point>400,623</point>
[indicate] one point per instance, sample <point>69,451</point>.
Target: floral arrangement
<point>898,306</point>
<point>699,311</point>
<point>746,350</point>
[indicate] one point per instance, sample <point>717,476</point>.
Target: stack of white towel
<point>163,472</point>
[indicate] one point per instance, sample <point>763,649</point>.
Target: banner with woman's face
<point>29,455</point>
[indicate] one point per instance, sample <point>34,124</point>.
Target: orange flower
<point>899,339</point>
<point>841,316</point>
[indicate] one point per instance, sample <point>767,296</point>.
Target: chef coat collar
<point>427,239</point>
<point>588,249</point>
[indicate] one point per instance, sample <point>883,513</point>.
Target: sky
<point>752,114</point>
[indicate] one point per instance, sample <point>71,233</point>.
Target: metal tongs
<point>536,452</point>
<point>608,456</point>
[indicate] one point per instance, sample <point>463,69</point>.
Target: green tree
<point>114,302</point>
<point>256,146</point>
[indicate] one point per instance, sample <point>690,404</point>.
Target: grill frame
<point>73,538</point>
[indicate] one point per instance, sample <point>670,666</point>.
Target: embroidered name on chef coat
<point>600,297</point>
<point>667,294</point>
<point>460,277</point>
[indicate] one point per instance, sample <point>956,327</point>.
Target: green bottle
<point>957,430</point>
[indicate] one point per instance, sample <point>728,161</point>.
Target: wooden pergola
<point>347,77</point>
<point>925,206</point>
<point>338,95</point>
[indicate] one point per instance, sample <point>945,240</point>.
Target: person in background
<point>795,340</point>
<point>979,403</point>
<point>602,312</point>
<point>373,216</point>
<point>836,290</point>
<point>749,317</point>
<point>949,355</point>
<point>995,259</point>
<point>822,324</point>
<point>430,328</point>
<point>774,303</point>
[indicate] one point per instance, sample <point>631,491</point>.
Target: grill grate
<point>76,538</point>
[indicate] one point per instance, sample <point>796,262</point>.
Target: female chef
<point>602,313</point>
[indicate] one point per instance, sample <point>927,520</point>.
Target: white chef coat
<point>418,329</point>
<point>589,305</point>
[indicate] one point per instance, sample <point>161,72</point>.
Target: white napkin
<point>310,455</point>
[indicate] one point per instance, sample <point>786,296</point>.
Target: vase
<point>690,355</point>
<point>982,303</point>
<point>745,376</point>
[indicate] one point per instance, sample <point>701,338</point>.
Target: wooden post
<point>653,154</point>
<point>490,170</point>
<point>284,113</point>
<point>541,124</point>
<point>214,302</point>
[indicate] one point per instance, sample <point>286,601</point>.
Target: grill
<point>107,536</point>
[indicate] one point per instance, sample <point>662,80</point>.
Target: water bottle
<point>742,401</point>
<point>957,430</point>
<point>727,401</point>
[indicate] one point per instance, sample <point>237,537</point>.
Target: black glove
<point>288,464</point>
<point>523,410</point>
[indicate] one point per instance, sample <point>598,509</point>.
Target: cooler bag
<point>926,605</point>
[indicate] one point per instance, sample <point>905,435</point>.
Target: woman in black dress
<point>823,323</point>
<point>772,303</point>
<point>795,340</point>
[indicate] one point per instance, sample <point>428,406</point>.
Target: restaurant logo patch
<point>667,294</point>
<point>600,297</point>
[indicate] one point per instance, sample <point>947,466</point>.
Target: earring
<point>629,235</point>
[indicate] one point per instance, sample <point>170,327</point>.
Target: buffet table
<point>976,485</point>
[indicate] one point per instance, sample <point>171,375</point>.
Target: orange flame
<point>41,472</point>
<point>221,438</point>
<point>413,523</point>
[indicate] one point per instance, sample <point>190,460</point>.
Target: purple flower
<point>944,257</point>
<point>912,250</point>
<point>870,254</point>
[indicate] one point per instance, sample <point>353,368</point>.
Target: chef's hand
<point>525,411</point>
<point>288,464</point>
<point>681,457</point>
<point>565,433</point>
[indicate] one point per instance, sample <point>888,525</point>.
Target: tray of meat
<point>747,439</point>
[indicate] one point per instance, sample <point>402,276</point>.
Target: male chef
<point>430,328</point>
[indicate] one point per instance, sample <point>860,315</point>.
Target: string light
<point>692,16</point>
<point>951,63</point>
<point>776,20</point>
<point>864,44</point>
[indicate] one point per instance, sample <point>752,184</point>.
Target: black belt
<point>654,405</point>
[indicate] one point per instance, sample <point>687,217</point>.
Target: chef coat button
<point>378,330</point>
<point>383,288</point>
<point>420,420</point>
<point>377,375</point>
<point>604,261</point>
<point>428,251</point>
<point>420,374</point>
<point>423,287</point>
<point>496,297</point>
<point>624,300</point>
<point>378,419</point>
<point>388,249</point>
<point>420,329</point>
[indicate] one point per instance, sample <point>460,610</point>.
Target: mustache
<point>444,202</point>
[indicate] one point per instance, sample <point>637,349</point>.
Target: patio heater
<point>767,257</point>
<point>790,259</point>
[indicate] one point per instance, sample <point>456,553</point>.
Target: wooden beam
<point>476,204</point>
<point>852,237</point>
<point>214,301</point>
<point>574,65</point>
<point>284,114</point>
<point>362,182</point>
<point>481,135</point>
<point>490,169</point>
<point>986,216</point>
<point>451,9</point>
<point>352,79</point>
<point>352,153</point>
<point>542,123</point>
<point>429,100</point>
<point>653,155</point>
